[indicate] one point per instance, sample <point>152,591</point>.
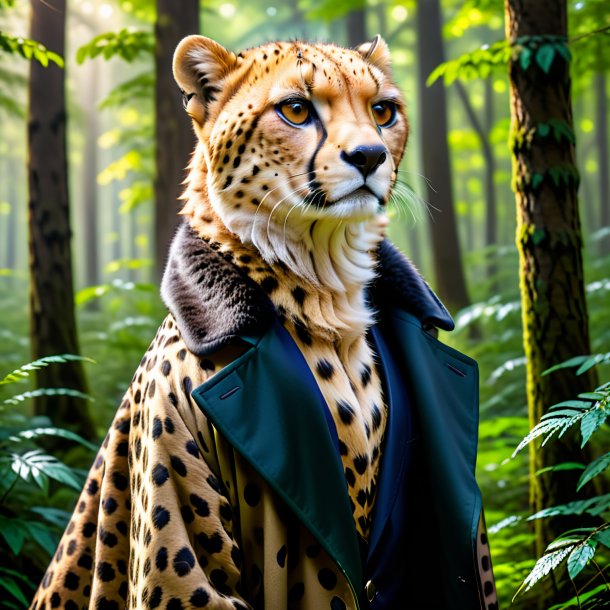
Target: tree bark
<point>601,135</point>
<point>356,27</point>
<point>91,224</point>
<point>450,281</point>
<point>549,240</point>
<point>13,225</point>
<point>52,317</point>
<point>173,132</point>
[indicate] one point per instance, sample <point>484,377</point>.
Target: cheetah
<point>295,436</point>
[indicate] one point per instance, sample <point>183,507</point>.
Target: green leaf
<point>543,129</point>
<point>591,422</point>
<point>37,466</point>
<point>572,362</point>
<point>8,584</point>
<point>42,535</point>
<point>580,557</point>
<point>593,469</point>
<point>36,433</point>
<point>579,405</point>
<point>538,236</point>
<point>561,467</point>
<point>578,602</point>
<point>525,58</point>
<point>56,516</point>
<point>563,50</point>
<point>543,567</point>
<point>545,56</point>
<point>592,506</point>
<point>557,174</point>
<point>603,536</point>
<point>537,179</point>
<point>13,532</point>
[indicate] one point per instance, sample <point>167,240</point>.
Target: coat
<point>233,479</point>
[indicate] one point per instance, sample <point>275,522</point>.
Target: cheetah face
<point>294,130</point>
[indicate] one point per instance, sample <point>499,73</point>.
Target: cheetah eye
<point>295,111</point>
<point>384,113</point>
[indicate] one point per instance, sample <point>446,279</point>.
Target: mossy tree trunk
<point>52,318</point>
<point>174,137</point>
<point>545,180</point>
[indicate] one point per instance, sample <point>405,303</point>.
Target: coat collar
<point>216,304</point>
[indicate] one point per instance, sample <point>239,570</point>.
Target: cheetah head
<point>293,133</point>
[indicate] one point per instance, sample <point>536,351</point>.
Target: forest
<point>502,203</point>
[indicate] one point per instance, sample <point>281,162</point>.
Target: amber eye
<point>384,113</point>
<point>296,112</point>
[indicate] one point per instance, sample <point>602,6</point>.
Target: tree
<point>601,124</point>
<point>356,27</point>
<point>555,320</point>
<point>449,273</point>
<point>52,317</point>
<point>173,133</point>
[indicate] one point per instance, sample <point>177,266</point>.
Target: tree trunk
<point>13,221</point>
<point>52,318</point>
<point>91,223</point>
<point>174,136</point>
<point>549,239</point>
<point>356,27</point>
<point>450,282</point>
<point>601,136</point>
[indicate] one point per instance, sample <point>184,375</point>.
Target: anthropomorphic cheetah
<point>295,436</point>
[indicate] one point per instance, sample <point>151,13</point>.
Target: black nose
<point>365,158</point>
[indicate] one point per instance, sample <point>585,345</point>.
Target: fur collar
<point>214,303</point>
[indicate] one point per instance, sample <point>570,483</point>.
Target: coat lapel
<point>269,407</point>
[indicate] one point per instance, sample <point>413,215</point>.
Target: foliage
<point>476,64</point>
<point>29,49</point>
<point>127,44</point>
<point>139,87</point>
<point>576,548</point>
<point>30,480</point>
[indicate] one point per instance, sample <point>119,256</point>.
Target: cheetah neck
<point>326,263</point>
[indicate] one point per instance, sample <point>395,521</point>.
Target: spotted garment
<point>156,525</point>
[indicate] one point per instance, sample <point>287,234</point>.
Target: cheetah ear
<point>377,53</point>
<point>200,65</point>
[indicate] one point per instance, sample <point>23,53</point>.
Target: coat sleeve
<point>153,527</point>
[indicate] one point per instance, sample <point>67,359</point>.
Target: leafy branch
<point>527,50</point>
<point>29,49</point>
<point>127,44</point>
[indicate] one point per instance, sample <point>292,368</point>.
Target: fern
<point>543,567</point>
<point>591,412</point>
<point>25,370</point>
<point>578,547</point>
<point>14,400</point>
